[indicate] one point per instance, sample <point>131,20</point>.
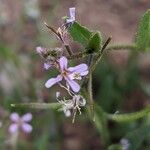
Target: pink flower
<point>20,123</point>
<point>69,74</point>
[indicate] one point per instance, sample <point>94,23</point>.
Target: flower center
<point>77,76</point>
<point>65,73</point>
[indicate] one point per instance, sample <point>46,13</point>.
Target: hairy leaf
<point>80,34</point>
<point>94,44</point>
<point>143,33</point>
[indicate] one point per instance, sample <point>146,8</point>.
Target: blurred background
<point>121,82</point>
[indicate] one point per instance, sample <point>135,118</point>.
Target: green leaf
<point>143,33</point>
<point>137,137</point>
<point>94,44</point>
<point>80,34</point>
<point>54,106</point>
<point>101,123</point>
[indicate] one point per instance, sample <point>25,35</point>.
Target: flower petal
<point>13,128</point>
<point>27,128</point>
<point>80,68</point>
<point>67,113</point>
<point>27,117</point>
<point>74,85</point>
<point>63,62</point>
<point>71,19</point>
<point>47,66</point>
<point>72,12</point>
<point>14,117</point>
<point>53,81</point>
<point>84,73</point>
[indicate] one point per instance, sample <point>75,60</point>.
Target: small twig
<point>69,50</point>
<point>52,29</point>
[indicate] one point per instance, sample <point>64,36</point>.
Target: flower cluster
<point>71,75</point>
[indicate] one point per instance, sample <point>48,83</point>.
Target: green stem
<point>130,116</point>
<point>112,47</point>
<point>91,101</point>
<point>55,106</point>
<point>123,47</point>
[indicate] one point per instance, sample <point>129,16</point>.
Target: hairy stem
<point>91,101</point>
<point>130,116</point>
<point>123,47</point>
<point>112,47</point>
<point>69,50</point>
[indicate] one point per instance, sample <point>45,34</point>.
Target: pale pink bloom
<point>69,74</point>
<point>20,123</point>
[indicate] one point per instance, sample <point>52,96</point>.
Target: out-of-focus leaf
<point>94,44</point>
<point>42,142</point>
<point>115,147</point>
<point>137,136</point>
<point>101,123</point>
<point>143,33</point>
<point>80,34</point>
<point>54,106</point>
<point>7,54</point>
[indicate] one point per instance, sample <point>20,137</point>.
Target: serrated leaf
<point>80,34</point>
<point>54,106</point>
<point>143,33</point>
<point>94,44</point>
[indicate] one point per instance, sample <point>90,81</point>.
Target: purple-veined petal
<point>14,117</point>
<point>63,62</point>
<point>47,66</point>
<point>27,128</point>
<point>79,69</point>
<point>53,81</point>
<point>13,128</point>
<point>74,85</point>
<point>84,73</point>
<point>27,117</point>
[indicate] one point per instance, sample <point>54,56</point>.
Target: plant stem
<point>69,50</point>
<point>55,106</point>
<point>123,47</point>
<point>91,101</point>
<point>112,47</point>
<point>130,116</point>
